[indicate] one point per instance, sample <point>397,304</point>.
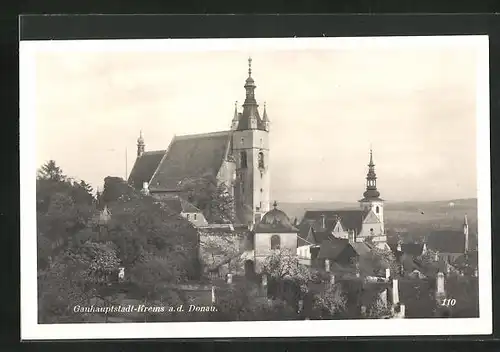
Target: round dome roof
<point>276,217</point>
<point>275,220</point>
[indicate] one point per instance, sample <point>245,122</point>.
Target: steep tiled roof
<point>179,205</point>
<point>190,157</point>
<point>144,167</point>
<point>277,221</point>
<point>413,249</point>
<point>350,219</point>
<point>449,241</point>
<point>330,249</point>
<point>361,248</point>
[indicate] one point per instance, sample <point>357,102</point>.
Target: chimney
<point>466,233</point>
<point>327,265</point>
<point>440,292</point>
<point>145,188</point>
<point>424,248</point>
<point>323,222</point>
<point>332,280</point>
<point>395,292</point>
<point>436,257</point>
<point>387,273</point>
<point>213,294</point>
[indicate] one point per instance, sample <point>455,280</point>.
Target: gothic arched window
<point>243,160</point>
<point>261,160</point>
<point>377,209</point>
<point>275,242</point>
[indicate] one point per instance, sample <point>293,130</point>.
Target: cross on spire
<point>249,66</point>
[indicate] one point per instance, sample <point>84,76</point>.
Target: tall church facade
<point>238,158</point>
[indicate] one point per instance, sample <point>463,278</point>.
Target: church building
<point>356,225</point>
<point>237,158</point>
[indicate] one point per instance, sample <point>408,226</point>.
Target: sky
<point>415,106</point>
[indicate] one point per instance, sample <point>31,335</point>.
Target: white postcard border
<point>31,330</point>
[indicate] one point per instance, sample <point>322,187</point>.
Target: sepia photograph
<point>255,187</point>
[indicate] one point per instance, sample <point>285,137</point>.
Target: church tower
<point>251,153</point>
<point>140,145</point>
<point>371,197</point>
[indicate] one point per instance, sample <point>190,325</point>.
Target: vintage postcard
<point>287,187</point>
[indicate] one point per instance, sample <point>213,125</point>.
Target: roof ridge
<point>150,152</point>
<point>161,161</point>
<point>197,135</point>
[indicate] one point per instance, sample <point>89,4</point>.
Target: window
<point>194,216</point>
<point>275,242</point>
<point>377,209</point>
<point>243,160</point>
<point>261,160</point>
<point>242,141</point>
<point>187,216</point>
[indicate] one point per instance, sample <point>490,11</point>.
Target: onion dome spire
<point>371,180</point>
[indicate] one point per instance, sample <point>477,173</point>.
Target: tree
<point>377,260</point>
<point>211,197</point>
<point>427,258</point>
<point>241,303</point>
<point>217,249</point>
<point>379,309</point>
<point>50,171</point>
<point>115,189</point>
<point>73,279</point>
<point>329,303</point>
<point>287,276</point>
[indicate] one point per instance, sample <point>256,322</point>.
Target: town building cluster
<point>330,240</point>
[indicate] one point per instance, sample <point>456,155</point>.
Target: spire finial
<point>275,204</point>
<point>249,66</point>
<point>140,140</point>
<point>371,157</point>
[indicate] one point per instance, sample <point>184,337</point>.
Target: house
<point>337,251</point>
<point>187,210</point>
<point>452,244</point>
<point>273,232</point>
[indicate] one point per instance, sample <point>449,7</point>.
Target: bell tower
<point>251,153</point>
<point>371,197</point>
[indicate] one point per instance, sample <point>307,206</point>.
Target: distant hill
<point>413,216</point>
